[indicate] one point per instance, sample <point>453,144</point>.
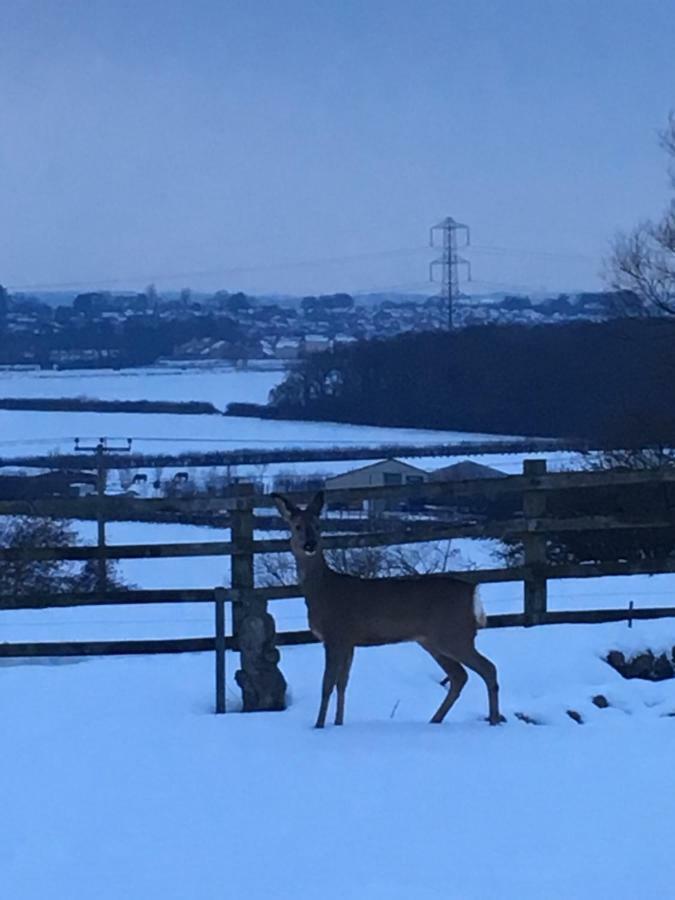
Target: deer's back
<point>366,612</point>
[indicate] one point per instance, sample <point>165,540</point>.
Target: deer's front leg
<point>343,678</point>
<point>330,675</point>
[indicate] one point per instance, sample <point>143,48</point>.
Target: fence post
<point>101,483</point>
<point>101,560</point>
<point>262,684</point>
<point>534,546</point>
<point>242,562</point>
<point>220,649</point>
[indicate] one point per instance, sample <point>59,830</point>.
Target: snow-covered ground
<point>118,781</point>
<point>37,433</point>
<point>217,384</point>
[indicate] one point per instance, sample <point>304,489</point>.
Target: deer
<point>441,613</point>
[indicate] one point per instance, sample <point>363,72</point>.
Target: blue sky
<point>299,146</point>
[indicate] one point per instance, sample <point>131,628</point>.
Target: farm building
<point>379,474</point>
<point>470,507</point>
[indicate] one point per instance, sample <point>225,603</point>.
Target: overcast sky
<point>306,145</point>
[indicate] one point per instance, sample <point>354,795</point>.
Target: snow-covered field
<point>217,384</point>
<point>37,433</point>
<point>118,780</point>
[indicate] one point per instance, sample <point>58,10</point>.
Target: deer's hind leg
<point>480,664</point>
<point>457,678</point>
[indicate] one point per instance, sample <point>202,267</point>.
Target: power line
<point>515,251</point>
<point>452,260</point>
<point>232,270</point>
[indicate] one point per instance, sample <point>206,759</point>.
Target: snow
<point>29,432</point>
<point>218,384</point>
<point>118,780</point>
<point>47,432</point>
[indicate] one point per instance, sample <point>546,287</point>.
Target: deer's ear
<point>285,507</point>
<point>316,505</point>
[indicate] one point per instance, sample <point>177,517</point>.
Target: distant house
<point>83,489</point>
<point>379,474</point>
<point>341,339</point>
<point>316,343</point>
<point>287,348</point>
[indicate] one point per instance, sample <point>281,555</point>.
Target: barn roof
<point>465,471</point>
<point>414,470</point>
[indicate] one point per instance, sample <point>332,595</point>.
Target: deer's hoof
<point>498,720</point>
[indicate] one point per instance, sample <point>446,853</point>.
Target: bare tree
<point>630,501</point>
<point>364,562</point>
<point>87,580</point>
<point>642,264</point>
<point>656,456</point>
<point>215,483</point>
<point>23,576</point>
<point>126,478</point>
<point>273,569</point>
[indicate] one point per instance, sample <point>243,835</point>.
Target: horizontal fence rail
<point>533,525</point>
<point>295,638</point>
<point>507,528</point>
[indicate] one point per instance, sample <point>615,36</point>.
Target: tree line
<point>606,382</point>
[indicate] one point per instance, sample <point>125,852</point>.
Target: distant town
<point>106,329</point>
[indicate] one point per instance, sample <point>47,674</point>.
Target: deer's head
<point>304,525</point>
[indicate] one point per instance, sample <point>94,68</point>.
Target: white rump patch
<point>479,609</point>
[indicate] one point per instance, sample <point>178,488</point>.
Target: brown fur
<point>346,612</point>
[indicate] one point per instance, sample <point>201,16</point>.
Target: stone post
<point>262,684</point>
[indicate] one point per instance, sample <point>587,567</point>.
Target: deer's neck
<point>311,570</point>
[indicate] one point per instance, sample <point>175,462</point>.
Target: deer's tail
<point>478,609</point>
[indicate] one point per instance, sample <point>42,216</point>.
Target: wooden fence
<point>532,525</point>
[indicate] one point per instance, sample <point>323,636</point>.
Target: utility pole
<point>450,262</point>
<point>100,449</point>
